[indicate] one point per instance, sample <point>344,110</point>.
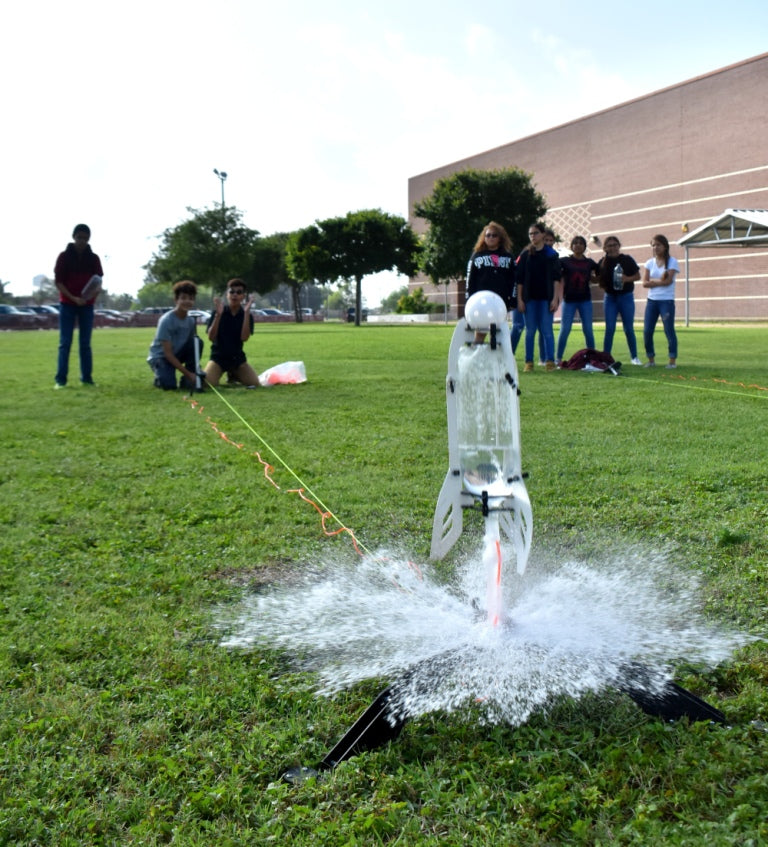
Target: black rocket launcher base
<point>483,432</point>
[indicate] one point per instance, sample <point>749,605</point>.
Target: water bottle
<point>617,275</point>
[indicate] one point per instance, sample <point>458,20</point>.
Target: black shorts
<point>229,363</point>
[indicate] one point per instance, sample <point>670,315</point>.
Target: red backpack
<point>592,360</point>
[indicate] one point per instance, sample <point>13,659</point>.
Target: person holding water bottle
<point>617,274</point>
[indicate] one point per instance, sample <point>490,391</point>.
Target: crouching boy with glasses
<point>229,326</point>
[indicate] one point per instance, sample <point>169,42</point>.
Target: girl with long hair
<point>617,274</point>
<point>492,267</point>
<point>659,275</point>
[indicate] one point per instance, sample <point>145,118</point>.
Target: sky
<point>116,114</point>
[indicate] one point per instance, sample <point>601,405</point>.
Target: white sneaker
<point>671,365</point>
<point>636,361</point>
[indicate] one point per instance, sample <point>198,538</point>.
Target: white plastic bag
<point>287,373</point>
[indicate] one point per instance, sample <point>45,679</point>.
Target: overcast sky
<point>116,114</point>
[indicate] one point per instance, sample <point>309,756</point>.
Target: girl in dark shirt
<point>539,290</point>
<point>492,267</point>
<point>578,273</point>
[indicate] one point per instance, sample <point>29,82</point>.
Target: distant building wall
<point>663,163</point>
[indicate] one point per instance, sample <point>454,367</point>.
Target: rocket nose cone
<point>483,309</point>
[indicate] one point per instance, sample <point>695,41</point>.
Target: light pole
<point>222,175</point>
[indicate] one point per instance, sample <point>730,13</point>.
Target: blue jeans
<point>614,306</point>
<point>584,308</point>
<point>518,325</point>
<point>165,372</point>
<point>539,319</point>
<point>69,315</point>
<point>664,309</point>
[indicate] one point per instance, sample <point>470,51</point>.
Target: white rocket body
<point>483,432</point>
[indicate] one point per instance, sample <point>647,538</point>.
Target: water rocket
<point>485,473</point>
<point>484,454</point>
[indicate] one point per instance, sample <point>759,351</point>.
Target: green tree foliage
<point>414,304</point>
<point>270,268</point>
<point>307,257</point>
<point>155,294</point>
<point>338,301</point>
<point>352,247</point>
<point>161,294</point>
<point>373,241</point>
<point>389,303</point>
<point>462,204</point>
<point>211,247</point>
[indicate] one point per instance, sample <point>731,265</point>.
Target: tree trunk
<point>358,300</point>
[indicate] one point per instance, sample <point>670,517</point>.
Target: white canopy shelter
<point>733,228</point>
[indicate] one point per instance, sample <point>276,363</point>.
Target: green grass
<point>127,524</point>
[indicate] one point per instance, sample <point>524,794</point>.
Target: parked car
<point>351,314</point>
<point>109,317</point>
<point>200,315</point>
<point>270,311</point>
<point>49,314</point>
<point>12,317</point>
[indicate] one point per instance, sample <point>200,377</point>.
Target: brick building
<point>667,162</point>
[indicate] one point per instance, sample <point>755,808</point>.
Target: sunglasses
<point>237,291</point>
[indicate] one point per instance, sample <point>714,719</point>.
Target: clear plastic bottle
<point>618,283</point>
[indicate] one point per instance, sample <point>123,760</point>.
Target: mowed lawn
<point>131,518</point>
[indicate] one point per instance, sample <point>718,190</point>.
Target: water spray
<point>470,649</point>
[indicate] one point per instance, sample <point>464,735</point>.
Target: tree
<point>389,303</point>
<point>337,301</point>
<point>374,241</point>
<point>211,247</point>
<point>161,294</point>
<point>307,257</point>
<point>414,304</point>
<point>270,268</point>
<point>361,243</point>
<point>461,205</point>
<point>5,296</point>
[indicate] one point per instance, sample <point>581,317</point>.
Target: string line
<point>682,382</point>
<point>324,512</point>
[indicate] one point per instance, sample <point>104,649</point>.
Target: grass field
<point>128,524</point>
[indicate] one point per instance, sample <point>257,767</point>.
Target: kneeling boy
<point>173,347</point>
<point>228,328</point>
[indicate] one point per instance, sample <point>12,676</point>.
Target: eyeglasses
<point>238,291</point>
<point>535,232</point>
